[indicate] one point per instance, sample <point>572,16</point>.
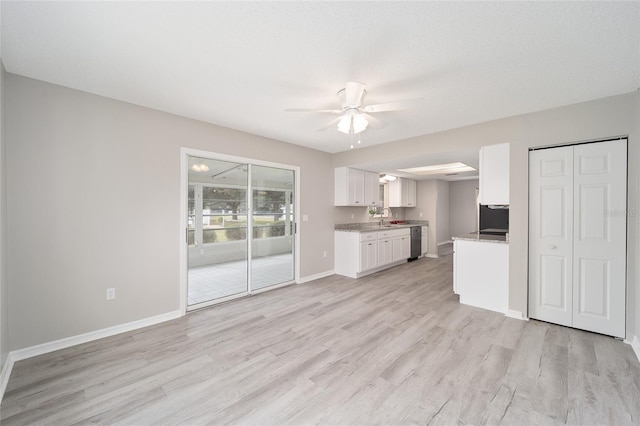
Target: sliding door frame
<point>185,153</point>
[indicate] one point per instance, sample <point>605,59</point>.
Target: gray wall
<point>426,202</point>
<point>93,169</point>
<point>361,215</point>
<point>427,199</point>
<point>353,215</point>
<point>4,311</point>
<point>95,192</point>
<point>463,207</point>
<point>443,231</point>
<point>601,118</point>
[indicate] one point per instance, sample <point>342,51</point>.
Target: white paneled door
<point>551,235</point>
<point>600,235</point>
<point>577,236</point>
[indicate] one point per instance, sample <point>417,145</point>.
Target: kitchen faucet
<point>382,215</point>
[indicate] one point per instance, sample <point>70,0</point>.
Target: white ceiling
<point>240,64</point>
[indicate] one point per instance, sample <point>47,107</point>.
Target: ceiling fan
<point>355,117</point>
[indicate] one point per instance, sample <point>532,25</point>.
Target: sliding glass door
<point>217,230</point>
<point>273,225</point>
<point>240,229</point>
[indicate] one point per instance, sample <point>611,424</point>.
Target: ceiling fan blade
<point>333,122</point>
<point>394,106</point>
<point>353,94</point>
<point>331,111</point>
<point>374,122</point>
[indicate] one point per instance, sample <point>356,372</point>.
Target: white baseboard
<point>308,278</point>
<point>6,372</point>
<point>67,342</point>
<point>441,243</point>
<point>515,314</point>
<point>433,256</point>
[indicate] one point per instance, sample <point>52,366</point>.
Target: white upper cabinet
<point>372,189</point>
<point>356,187</point>
<point>402,193</point>
<point>494,174</point>
<point>412,198</point>
<point>349,187</point>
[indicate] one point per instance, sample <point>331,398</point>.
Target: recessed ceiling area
<point>447,169</point>
<point>394,167</point>
<point>241,64</point>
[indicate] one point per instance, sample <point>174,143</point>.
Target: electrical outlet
<point>353,216</point>
<point>420,214</point>
<point>324,253</point>
<point>111,293</point>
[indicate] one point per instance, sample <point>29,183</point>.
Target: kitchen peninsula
<point>481,271</point>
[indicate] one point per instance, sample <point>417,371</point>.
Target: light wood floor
<point>392,348</point>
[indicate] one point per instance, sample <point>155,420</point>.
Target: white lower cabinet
<point>368,255</point>
<point>361,253</point>
<point>385,251</point>
<point>425,240</point>
<point>401,247</point>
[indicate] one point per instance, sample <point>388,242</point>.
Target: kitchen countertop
<point>475,236</point>
<point>371,227</point>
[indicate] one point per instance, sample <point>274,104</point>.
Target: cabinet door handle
<point>553,247</point>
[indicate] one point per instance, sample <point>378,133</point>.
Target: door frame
<point>185,153</point>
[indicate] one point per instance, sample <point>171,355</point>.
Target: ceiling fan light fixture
<point>351,121</point>
<point>359,123</point>
<point>344,125</point>
<point>353,116</point>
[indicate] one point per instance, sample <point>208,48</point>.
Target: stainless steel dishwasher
<point>416,242</point>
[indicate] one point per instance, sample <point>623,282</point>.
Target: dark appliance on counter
<point>494,220</point>
<point>416,242</point>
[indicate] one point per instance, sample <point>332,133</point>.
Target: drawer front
<point>368,236</point>
<point>401,232</point>
<point>385,234</point>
